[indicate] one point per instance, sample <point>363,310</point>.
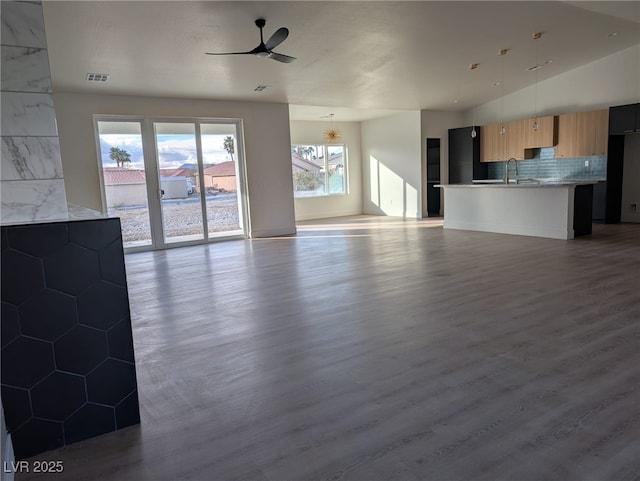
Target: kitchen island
<point>557,210</point>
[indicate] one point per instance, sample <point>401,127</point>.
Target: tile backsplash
<point>544,165</point>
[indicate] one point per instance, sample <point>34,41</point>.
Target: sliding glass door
<point>184,179</point>
<point>221,176</point>
<point>124,187</point>
<point>178,167</point>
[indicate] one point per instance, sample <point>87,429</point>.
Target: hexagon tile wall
<point>68,369</point>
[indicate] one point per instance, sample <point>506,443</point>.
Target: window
<point>318,170</point>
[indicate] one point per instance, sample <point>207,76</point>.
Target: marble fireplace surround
<point>32,182</point>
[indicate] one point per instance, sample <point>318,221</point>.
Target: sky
<point>173,150</point>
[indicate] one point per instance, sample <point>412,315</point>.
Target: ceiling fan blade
<point>229,53</point>
<point>281,58</point>
<point>277,38</point>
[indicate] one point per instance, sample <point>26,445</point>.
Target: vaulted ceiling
<point>357,59</point>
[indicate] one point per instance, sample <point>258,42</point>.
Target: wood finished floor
<point>381,349</point>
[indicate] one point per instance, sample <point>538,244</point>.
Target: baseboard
<point>272,233</point>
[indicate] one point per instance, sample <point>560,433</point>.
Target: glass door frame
<point>152,168</point>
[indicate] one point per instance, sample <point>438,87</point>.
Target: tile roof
<point>223,169</point>
<point>175,172</point>
<point>119,176</point>
<point>303,164</point>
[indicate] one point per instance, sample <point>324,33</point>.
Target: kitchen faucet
<point>506,169</point>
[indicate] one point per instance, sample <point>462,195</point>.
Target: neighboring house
<point>303,165</point>
<point>181,172</point>
<point>336,163</point>
<point>124,186</point>
<point>220,176</point>
<point>128,186</point>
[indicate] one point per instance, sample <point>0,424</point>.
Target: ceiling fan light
<point>262,54</point>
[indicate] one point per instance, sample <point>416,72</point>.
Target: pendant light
<point>502,54</point>
<point>332,135</point>
<point>536,36</point>
<point>474,134</point>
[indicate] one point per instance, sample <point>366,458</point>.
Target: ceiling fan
<point>266,49</point>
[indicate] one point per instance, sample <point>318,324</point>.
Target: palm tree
<point>120,156</point>
<point>229,146</point>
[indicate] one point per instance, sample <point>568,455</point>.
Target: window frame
<point>327,188</point>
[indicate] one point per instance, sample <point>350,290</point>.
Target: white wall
<point>266,138</point>
<point>392,165</point>
<point>631,179</point>
<point>126,194</point>
<point>612,80</point>
<point>308,132</point>
<point>436,125</point>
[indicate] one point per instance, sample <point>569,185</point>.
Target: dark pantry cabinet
<point>464,156</point>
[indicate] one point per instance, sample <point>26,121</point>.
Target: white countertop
<point>529,183</point>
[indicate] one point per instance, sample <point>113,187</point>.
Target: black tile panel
<point>9,321</point>
<point>65,327</point>
<point>37,436</point>
<point>17,407</point>
<point>21,276</point>
<point>111,260</point>
<point>95,235</point>
<point>111,382</point>
<point>91,420</point>
<point>26,361</point>
<point>71,269</point>
<point>80,350</point>
<point>3,240</point>
<point>58,396</point>
<point>48,315</point>
<point>103,305</point>
<point>120,341</point>
<point>38,240</point>
<point>128,411</point>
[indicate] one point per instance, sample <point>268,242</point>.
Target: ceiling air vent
<point>97,77</point>
<point>261,88</point>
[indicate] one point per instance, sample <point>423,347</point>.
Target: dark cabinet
<point>582,210</point>
<point>464,156</point>
<point>599,201</point>
<point>433,177</point>
<point>624,119</point>
<point>615,163</point>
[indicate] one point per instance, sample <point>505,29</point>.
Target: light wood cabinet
<point>516,139</point>
<point>582,134</point>
<point>496,147</point>
<point>602,131</point>
<point>545,136</point>
<point>567,135</point>
<point>492,144</point>
<point>519,136</point>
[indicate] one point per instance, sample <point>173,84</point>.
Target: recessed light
<point>454,101</point>
<point>612,34</point>
<point>97,77</point>
<point>495,84</point>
